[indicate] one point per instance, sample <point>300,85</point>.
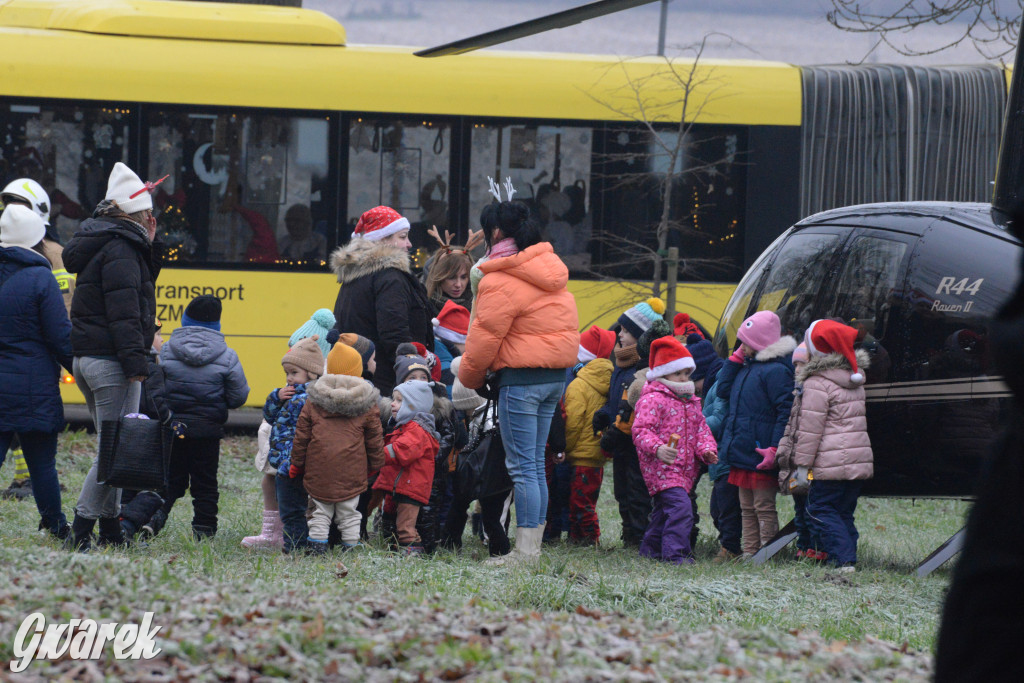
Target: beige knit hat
<point>306,354</point>
<point>464,399</point>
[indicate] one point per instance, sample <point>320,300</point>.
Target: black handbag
<point>135,453</point>
<point>480,470</point>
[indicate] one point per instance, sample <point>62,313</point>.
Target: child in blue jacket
<point>758,382</point>
<point>303,363</point>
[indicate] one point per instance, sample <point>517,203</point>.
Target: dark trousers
<point>830,505</point>
<point>491,508</point>
<point>586,487</point>
<point>807,536</point>
<point>291,502</point>
<point>668,536</point>
<point>40,449</point>
<point>696,514</point>
<point>194,468</point>
<point>631,495</point>
<point>429,521</point>
<point>726,514</point>
<point>559,485</point>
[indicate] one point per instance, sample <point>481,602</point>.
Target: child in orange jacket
<point>410,449</point>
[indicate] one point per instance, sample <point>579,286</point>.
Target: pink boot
<point>272,535</point>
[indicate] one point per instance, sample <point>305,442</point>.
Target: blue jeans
<point>40,449</point>
<point>105,387</point>
<point>291,502</point>
<point>830,505</point>
<point>524,416</point>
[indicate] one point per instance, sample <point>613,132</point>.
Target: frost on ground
<point>579,614</point>
<point>244,634</point>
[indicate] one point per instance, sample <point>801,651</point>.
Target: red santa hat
<point>380,222</point>
<point>452,323</point>
<point>595,343</point>
<point>684,327</point>
<point>828,336</point>
<point>668,355</point>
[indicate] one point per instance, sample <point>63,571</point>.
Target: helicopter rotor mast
<point>532,27</point>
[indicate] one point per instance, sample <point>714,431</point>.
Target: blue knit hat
<point>703,352</point>
<point>319,324</point>
<point>639,318</point>
<point>203,311</point>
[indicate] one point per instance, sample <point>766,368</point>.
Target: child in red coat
<point>410,449</point>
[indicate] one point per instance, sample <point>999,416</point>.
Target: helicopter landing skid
<point>941,554</point>
<point>786,535</point>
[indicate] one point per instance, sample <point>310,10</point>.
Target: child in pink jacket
<point>668,408</point>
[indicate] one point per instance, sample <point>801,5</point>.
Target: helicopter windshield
<point>798,275</point>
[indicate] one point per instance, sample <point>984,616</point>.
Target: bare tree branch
<point>992,26</point>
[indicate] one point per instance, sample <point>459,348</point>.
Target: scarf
<point>440,299</point>
<point>682,390</point>
<point>108,208</point>
<point>626,357</point>
<point>506,247</point>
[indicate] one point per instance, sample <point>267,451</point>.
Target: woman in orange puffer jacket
<point>525,331</point>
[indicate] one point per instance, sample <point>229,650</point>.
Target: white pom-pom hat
<point>828,336</point>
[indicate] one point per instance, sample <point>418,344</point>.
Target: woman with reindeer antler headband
<point>523,336</point>
<point>448,276</point>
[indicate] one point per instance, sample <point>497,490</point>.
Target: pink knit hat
<point>800,353</point>
<point>760,330</point>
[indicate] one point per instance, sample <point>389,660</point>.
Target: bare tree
<point>665,102</point>
<point>991,25</point>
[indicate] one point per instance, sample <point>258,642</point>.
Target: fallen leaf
<point>340,570</point>
<point>592,613</point>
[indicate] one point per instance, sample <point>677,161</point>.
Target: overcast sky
<point>794,32</point>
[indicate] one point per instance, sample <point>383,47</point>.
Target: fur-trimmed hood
<point>836,368</point>
<point>784,347</point>
<point>342,394</point>
<point>365,257</point>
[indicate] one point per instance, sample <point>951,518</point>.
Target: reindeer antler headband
<point>474,240</point>
<point>496,191</point>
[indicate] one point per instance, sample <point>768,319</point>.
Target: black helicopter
<point>920,281</point>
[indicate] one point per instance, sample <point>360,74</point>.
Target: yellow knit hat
<point>344,360</point>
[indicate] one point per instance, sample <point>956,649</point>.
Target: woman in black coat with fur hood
<point>380,298</point>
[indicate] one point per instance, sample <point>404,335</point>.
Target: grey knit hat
<point>464,399</point>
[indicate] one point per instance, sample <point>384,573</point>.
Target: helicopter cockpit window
<point>799,273</point>
<point>869,283</point>
<point>405,165</point>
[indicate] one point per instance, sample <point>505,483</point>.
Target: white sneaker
<point>847,569</point>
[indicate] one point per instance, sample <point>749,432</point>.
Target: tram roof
<point>259,56</point>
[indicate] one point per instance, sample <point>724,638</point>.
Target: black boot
<point>155,524</point>
<point>203,533</point>
<point>61,531</point>
<point>81,533</point>
<point>315,548</point>
<point>139,511</point>
<point>111,533</point>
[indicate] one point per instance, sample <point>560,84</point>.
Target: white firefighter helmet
<point>28,190</point>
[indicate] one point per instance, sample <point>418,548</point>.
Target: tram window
<point>404,165</point>
<point>69,150</point>
<point>550,169</point>
<point>243,188</point>
<point>799,273</point>
<point>708,201</point>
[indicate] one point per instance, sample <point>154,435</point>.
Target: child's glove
<point>801,480</point>
<point>600,422</point>
<point>767,457</point>
<point>737,355</point>
<point>710,458</point>
<point>294,472</point>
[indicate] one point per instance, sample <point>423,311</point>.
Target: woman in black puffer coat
<point>380,298</point>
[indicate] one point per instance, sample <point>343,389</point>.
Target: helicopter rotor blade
<point>561,19</point>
